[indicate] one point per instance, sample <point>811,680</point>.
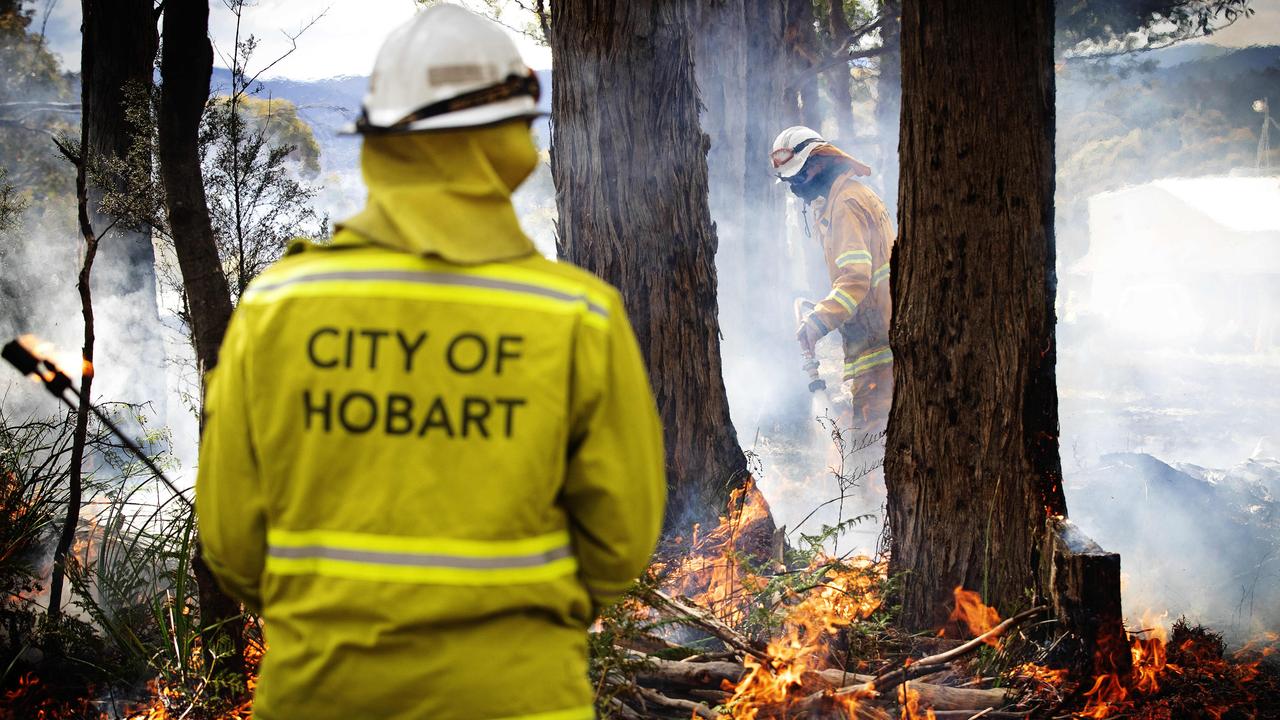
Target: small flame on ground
<point>971,612</point>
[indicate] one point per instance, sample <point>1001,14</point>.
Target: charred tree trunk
<point>117,62</point>
<point>629,162</point>
<point>889,102</point>
<point>80,434</point>
<point>186,65</point>
<point>971,461</point>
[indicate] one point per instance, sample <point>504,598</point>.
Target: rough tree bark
<point>629,162</point>
<point>971,461</point>
<point>118,59</point>
<point>186,65</point>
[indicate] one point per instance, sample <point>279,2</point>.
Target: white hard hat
<point>447,68</point>
<point>791,149</point>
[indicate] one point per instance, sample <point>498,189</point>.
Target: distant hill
<point>328,105</point>
<point>1185,111</point>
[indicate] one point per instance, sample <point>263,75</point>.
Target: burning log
<point>669,605</point>
<point>699,676</point>
<point>1083,582</point>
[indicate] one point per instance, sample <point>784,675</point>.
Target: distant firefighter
<point>430,454</point>
<point>856,238</point>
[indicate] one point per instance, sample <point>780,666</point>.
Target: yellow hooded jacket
<point>857,241</point>
<point>429,453</point>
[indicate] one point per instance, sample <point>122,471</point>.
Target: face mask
<point>807,190</point>
<point>813,183</point>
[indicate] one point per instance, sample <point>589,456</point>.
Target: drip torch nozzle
<point>54,380</point>
<point>20,357</point>
<point>57,382</point>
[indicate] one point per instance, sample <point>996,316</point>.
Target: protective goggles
<point>782,156</point>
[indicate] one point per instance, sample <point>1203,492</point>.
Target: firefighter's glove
<point>811,330</point>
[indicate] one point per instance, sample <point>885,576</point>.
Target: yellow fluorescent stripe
<point>392,288</point>
<point>376,572</point>
<point>844,299</point>
<point>880,275</point>
<point>355,260</point>
<point>854,257</point>
<point>421,545</point>
<point>869,360</point>
<point>586,712</point>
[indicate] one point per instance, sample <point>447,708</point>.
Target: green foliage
<point>257,202</point>
<point>1092,27</point>
<point>31,77</point>
<point>277,120</point>
<point>32,467</point>
<point>610,666</point>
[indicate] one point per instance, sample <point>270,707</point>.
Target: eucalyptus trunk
<point>971,461</point>
<point>629,162</point>
<point>186,66</point>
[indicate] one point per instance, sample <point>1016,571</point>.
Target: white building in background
<point>1184,264</point>
<point>1169,327</point>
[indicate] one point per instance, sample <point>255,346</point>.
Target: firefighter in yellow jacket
<point>857,239</point>
<point>431,455</point>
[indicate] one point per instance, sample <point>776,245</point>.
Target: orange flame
<point>971,612</point>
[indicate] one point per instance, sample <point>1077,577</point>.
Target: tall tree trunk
<point>889,102</point>
<point>80,434</point>
<point>838,79</point>
<point>802,48</point>
<point>971,462</point>
<point>629,162</point>
<point>186,65</point>
<point>117,62</point>
<point>721,65</point>
<point>770,329</point>
<point>742,112</point>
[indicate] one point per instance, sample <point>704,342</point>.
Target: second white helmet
<point>447,68</point>
<point>791,149</point>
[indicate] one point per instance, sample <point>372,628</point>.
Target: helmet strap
<point>513,86</point>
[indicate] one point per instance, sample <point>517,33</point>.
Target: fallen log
<point>663,602</point>
<point>936,697</point>
<point>690,674</point>
<point>685,706</point>
<point>682,673</point>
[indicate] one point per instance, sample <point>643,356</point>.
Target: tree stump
<point>1083,582</point>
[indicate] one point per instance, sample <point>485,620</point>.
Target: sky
<point>345,40</point>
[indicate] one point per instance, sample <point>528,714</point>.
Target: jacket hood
<point>447,193</point>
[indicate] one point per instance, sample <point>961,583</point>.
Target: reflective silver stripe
<point>309,552</point>
<point>434,278</point>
